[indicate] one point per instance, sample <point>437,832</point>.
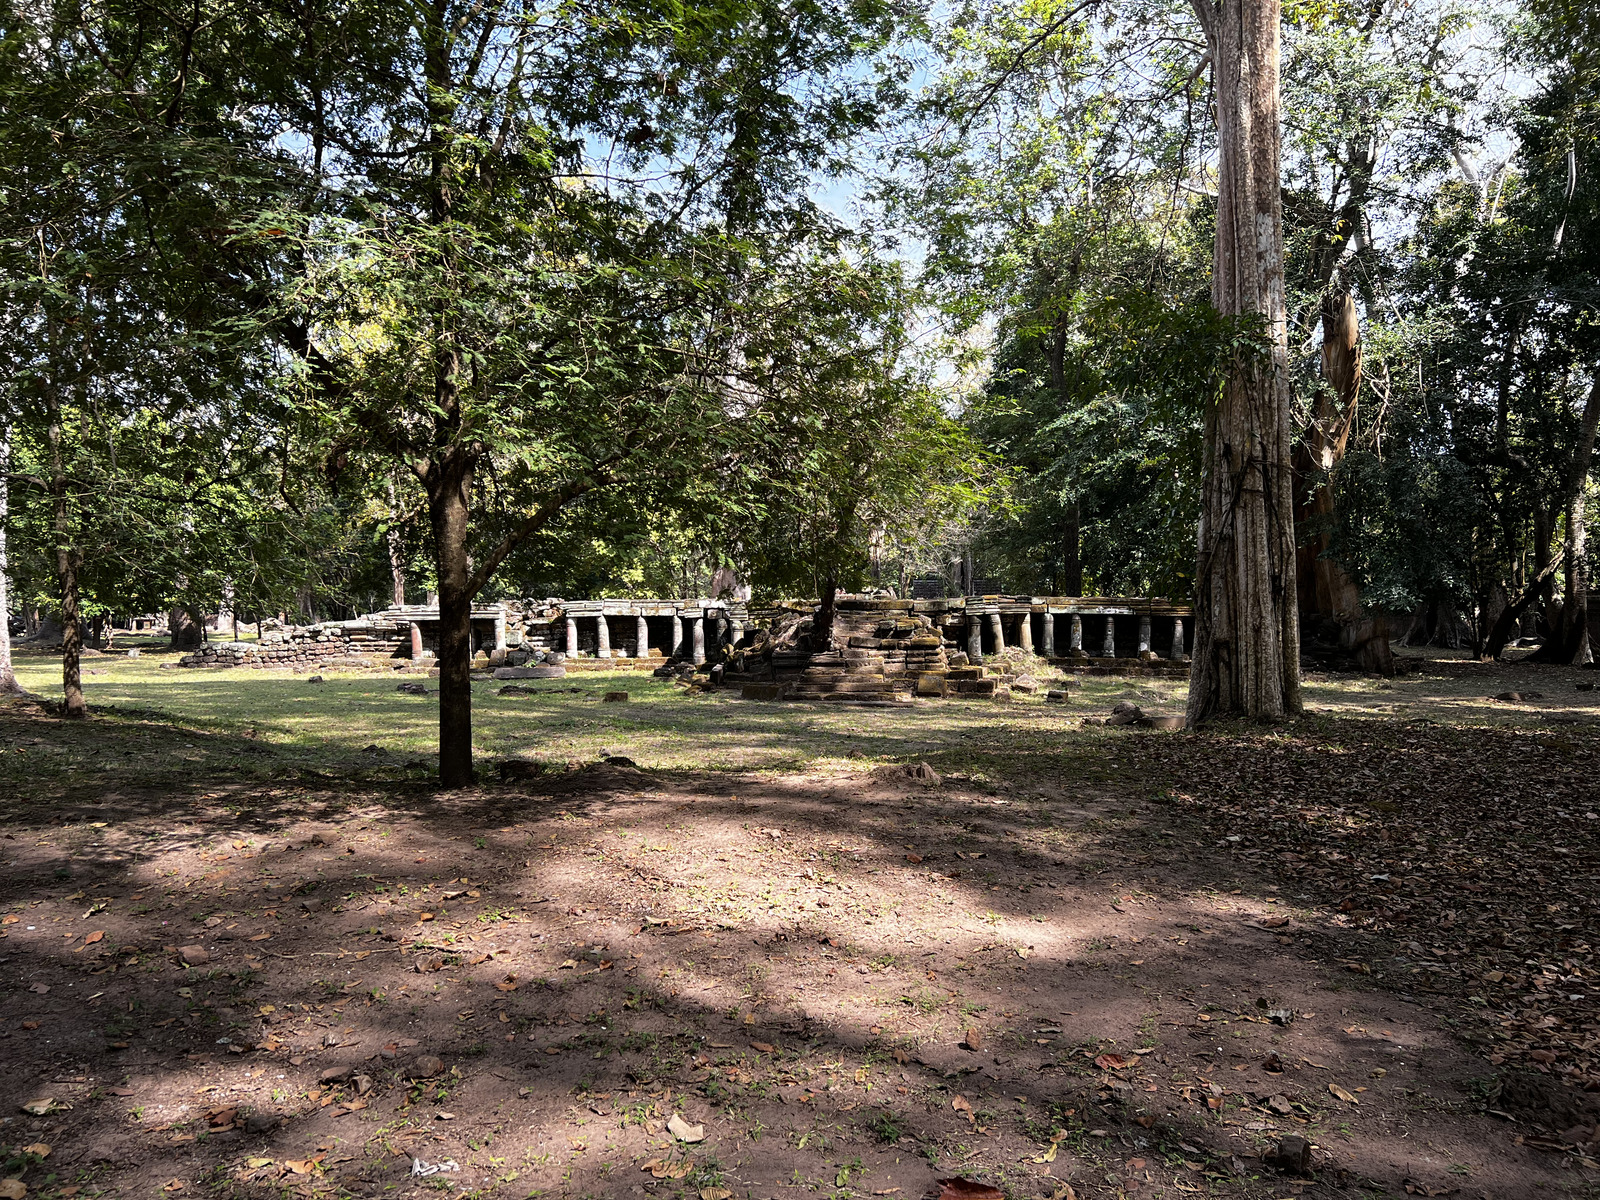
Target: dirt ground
<point>1094,963</point>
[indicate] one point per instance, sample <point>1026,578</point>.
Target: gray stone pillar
<point>642,628</point>
<point>416,642</point>
<point>999,631</point>
<point>602,633</point>
<point>1179,652</point>
<point>1108,648</point>
<point>1144,634</point>
<point>1075,637</point>
<point>572,636</point>
<point>974,638</point>
<point>500,631</point>
<point>735,631</point>
<point>1027,632</point>
<point>677,634</point>
<point>699,633</point>
<point>1049,634</point>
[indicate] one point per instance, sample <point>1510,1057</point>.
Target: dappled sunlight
<point>1040,968</point>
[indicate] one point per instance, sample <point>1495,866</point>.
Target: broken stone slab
<point>413,689</point>
<point>1026,684</point>
<point>556,672</point>
<point>932,683</point>
<point>194,956</point>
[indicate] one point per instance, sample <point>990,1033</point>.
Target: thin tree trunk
<point>397,558</point>
<point>1246,659</point>
<point>450,511</point>
<point>8,677</point>
<point>1071,553</point>
<point>73,705</point>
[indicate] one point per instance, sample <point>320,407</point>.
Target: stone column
<point>1049,634</point>
<point>677,634</point>
<point>1108,648</point>
<point>416,642</point>
<point>602,632</point>
<point>500,631</point>
<point>1144,634</point>
<point>699,633</point>
<point>572,636</point>
<point>1075,637</point>
<point>1027,632</point>
<point>999,631</point>
<point>735,631</point>
<point>1179,653</point>
<point>642,628</point>
<point>974,638</point>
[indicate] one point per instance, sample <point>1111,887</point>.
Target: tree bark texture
<point>1247,635</point>
<point>1071,553</point>
<point>397,557</point>
<point>1327,593</point>
<point>449,487</point>
<point>8,676</point>
<point>68,558</point>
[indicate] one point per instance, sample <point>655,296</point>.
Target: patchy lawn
<point>249,949</point>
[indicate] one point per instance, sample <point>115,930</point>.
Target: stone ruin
<point>882,650</point>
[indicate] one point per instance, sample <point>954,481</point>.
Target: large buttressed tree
<point>1246,658</point>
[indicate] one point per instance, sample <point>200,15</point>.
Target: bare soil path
<point>1086,962</point>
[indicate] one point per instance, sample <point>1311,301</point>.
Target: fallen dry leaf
<point>12,1189</point>
<point>1338,1091</point>
<point>90,939</point>
<point>683,1131</point>
<point>660,1168</point>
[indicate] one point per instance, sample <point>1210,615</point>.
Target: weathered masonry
<point>1089,633</point>
<point>695,631</point>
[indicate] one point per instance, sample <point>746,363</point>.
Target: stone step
<point>873,700</point>
<point>858,687</point>
<point>974,687</point>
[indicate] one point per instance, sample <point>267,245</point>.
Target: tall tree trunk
<point>1071,552</point>
<point>449,486</point>
<point>1570,640</point>
<point>73,705</point>
<point>1327,593</point>
<point>8,676</point>
<point>183,628</point>
<point>1247,633</point>
<point>397,557</point>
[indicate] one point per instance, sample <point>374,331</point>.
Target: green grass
<point>660,727</point>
